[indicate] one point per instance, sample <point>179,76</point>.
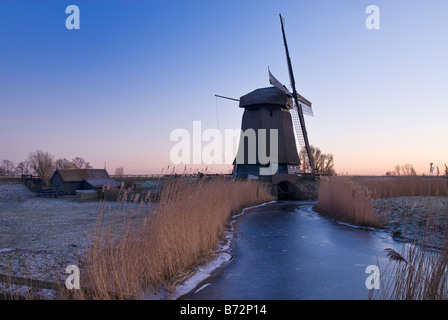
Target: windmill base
<point>293,187</point>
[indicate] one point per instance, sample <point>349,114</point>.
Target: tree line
<point>42,164</point>
<point>408,170</point>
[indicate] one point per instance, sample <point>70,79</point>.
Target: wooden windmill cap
<point>266,96</point>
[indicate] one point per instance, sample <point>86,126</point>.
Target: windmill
<point>301,106</point>
<point>282,110</point>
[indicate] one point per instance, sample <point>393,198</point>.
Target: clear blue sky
<point>115,89</point>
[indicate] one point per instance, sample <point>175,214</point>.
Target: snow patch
<point>202,273</point>
<point>204,286</point>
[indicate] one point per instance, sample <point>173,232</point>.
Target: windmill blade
<point>300,140</point>
<point>305,105</point>
<point>296,99</point>
<point>277,84</point>
<point>306,110</point>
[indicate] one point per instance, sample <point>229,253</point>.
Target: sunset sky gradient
<point>113,91</point>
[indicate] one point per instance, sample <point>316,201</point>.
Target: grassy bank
<point>161,249</point>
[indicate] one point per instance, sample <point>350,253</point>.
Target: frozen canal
<point>286,251</point>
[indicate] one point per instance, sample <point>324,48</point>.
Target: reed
<point>158,245</point>
<point>404,186</point>
<point>344,199</point>
<point>418,272</point>
<point>350,199</point>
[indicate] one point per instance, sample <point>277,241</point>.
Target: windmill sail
<point>305,104</point>
<point>298,105</point>
<point>273,80</point>
<point>306,107</point>
<point>300,141</point>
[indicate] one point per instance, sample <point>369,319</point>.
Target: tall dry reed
<point>159,245</point>
<point>418,272</point>
<point>404,186</point>
<point>344,199</point>
<point>350,199</point>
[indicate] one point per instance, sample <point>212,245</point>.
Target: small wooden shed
<point>67,181</point>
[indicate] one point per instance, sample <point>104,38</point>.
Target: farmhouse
<point>66,182</point>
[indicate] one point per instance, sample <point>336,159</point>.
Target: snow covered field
<point>40,237</point>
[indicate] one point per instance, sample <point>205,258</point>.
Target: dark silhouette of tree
<point>24,167</point>
<point>80,163</point>
<point>42,164</point>
<point>7,168</point>
<point>323,163</point>
<point>63,163</point>
<point>404,170</point>
<point>119,171</point>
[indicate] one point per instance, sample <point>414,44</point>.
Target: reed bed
<point>350,199</point>
<point>404,186</point>
<point>344,199</point>
<point>159,245</point>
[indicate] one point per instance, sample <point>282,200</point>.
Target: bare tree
<point>63,163</point>
<point>408,170</point>
<point>80,163</point>
<point>42,164</point>
<point>323,163</point>
<point>404,170</point>
<point>119,171</point>
<point>8,168</point>
<point>328,165</point>
<point>24,167</point>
